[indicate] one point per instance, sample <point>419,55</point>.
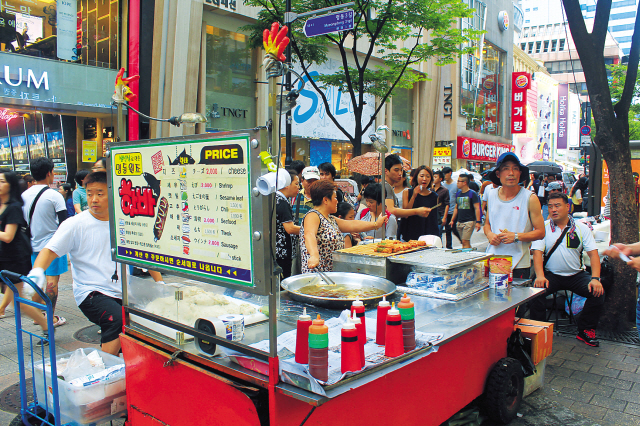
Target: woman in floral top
<point>321,234</point>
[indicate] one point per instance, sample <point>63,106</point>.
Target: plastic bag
<point>80,365</point>
<point>577,304</point>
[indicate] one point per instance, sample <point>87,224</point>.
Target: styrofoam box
<point>95,403</point>
<point>535,381</point>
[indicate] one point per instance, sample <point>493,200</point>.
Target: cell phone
<point>623,256</point>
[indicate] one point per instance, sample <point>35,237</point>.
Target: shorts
<point>466,230</point>
<point>19,267</point>
<point>105,311</point>
<point>58,267</point>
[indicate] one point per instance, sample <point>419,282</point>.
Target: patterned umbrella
<point>369,164</point>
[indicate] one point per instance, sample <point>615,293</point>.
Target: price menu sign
<point>185,207</point>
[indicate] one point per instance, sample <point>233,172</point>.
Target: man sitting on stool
<point>561,269</point>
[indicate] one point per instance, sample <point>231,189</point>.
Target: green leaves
<point>390,39</point>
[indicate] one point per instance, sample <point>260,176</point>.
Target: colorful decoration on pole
<point>122,92</point>
<point>274,41</point>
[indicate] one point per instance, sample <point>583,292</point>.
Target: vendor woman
<point>321,234</point>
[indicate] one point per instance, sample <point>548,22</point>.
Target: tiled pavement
<point>584,386</point>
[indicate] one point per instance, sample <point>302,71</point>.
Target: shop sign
<point>503,20</point>
<point>442,160</point>
<point>563,115</point>
<point>7,116</point>
<point>479,150</point>
<point>31,78</point>
<point>228,112</point>
<point>89,151</point>
<point>520,83</point>
<point>402,133</point>
<point>310,118</point>
<point>448,101</point>
<point>442,152</point>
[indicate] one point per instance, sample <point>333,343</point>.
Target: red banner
<point>479,150</point>
<point>520,83</point>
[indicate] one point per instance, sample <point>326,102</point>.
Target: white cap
<point>357,302</point>
<point>304,316</point>
<point>354,319</point>
<point>310,172</point>
<point>348,325</point>
<point>393,311</point>
<point>384,303</point>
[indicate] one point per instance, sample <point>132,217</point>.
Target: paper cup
<point>498,281</point>
<point>267,183</point>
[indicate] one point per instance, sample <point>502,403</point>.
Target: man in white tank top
<point>514,217</point>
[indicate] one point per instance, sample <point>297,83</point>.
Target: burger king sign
<point>479,150</point>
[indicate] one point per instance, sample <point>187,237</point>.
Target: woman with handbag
<point>15,247</point>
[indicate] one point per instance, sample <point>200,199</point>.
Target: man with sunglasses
<point>557,260</point>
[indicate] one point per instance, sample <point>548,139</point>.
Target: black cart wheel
<point>33,421</point>
<point>504,389</point>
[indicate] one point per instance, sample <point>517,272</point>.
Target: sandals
<point>60,321</point>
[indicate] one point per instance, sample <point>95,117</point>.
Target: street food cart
<point>189,207</point>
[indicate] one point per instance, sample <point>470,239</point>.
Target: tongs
<point>325,278</point>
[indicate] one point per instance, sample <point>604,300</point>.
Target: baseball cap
<point>310,172</point>
<point>509,156</point>
<point>554,186</point>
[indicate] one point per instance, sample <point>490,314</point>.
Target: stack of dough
<point>196,303</point>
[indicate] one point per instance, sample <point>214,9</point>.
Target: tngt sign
<point>520,83</point>
<point>478,150</point>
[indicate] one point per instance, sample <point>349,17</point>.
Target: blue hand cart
<point>35,412</point>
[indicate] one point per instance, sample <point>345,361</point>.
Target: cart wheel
<point>504,389</point>
<point>17,421</point>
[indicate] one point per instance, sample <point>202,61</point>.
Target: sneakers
<point>40,342</point>
<point>588,337</point>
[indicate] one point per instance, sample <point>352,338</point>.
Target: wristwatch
<point>515,239</point>
<point>596,278</point>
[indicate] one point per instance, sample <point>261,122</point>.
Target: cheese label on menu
<point>185,207</point>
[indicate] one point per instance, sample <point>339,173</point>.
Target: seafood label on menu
<point>185,207</point>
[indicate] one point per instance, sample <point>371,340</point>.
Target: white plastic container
<point>95,403</point>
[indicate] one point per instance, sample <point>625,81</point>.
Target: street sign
<point>585,140</point>
<point>585,130</point>
<point>331,23</point>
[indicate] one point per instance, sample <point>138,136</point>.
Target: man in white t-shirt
<point>563,268</point>
<point>49,212</point>
<point>96,287</point>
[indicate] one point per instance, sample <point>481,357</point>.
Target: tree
<point>402,34</point>
<point>611,116</point>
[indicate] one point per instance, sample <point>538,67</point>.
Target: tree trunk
<point>620,306</point>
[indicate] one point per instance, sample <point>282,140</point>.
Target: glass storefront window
<point>231,83</point>
<point>482,91</point>
<point>299,150</point>
<point>81,31</point>
<point>341,153</point>
<point>402,118</point>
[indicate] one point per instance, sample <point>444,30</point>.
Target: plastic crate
<point>94,403</point>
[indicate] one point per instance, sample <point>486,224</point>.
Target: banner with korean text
<point>520,83</point>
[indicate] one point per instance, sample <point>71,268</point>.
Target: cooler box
<point>99,402</point>
<point>541,335</point>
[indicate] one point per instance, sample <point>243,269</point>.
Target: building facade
<point>59,65</point>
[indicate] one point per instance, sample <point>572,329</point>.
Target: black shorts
<point>19,267</point>
<point>105,311</point>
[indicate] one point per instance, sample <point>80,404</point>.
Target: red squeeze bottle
<point>361,341</point>
<point>383,308</point>
<point>393,340</point>
<point>349,348</point>
<point>319,350</point>
<point>358,307</point>
<point>302,338</point>
<point>408,316</point>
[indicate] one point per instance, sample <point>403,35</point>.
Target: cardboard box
<point>541,335</point>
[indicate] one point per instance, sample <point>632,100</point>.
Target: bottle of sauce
<point>358,324</point>
<point>358,307</point>
<point>302,338</point>
<point>383,308</point>
<point>393,339</point>
<point>319,350</point>
<point>349,348</point>
<point>408,316</point>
